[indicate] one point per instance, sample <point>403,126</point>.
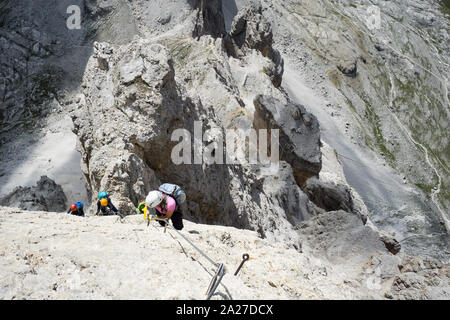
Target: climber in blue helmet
<point>76,209</point>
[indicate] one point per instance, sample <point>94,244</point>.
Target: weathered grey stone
<point>338,235</point>
<point>421,278</point>
<point>209,19</point>
<point>251,31</point>
<point>329,196</point>
<point>391,243</point>
<point>348,67</point>
<point>414,264</point>
<point>45,196</point>
<point>102,51</point>
<point>327,44</point>
<point>299,138</point>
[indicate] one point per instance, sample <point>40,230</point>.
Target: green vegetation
<point>425,187</point>
<point>367,139</point>
<point>445,193</point>
<point>445,7</point>
<point>385,85</point>
<point>336,154</point>
<point>408,88</point>
<point>419,123</point>
<point>374,121</point>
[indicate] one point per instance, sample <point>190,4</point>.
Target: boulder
<point>348,67</point>
<point>391,243</point>
<point>299,134</point>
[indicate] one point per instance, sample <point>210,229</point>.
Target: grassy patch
<point>380,142</point>
<point>425,187</point>
<point>445,193</point>
<point>408,89</point>
<point>367,139</point>
<point>445,7</point>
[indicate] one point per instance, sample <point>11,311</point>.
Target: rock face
<point>40,57</point>
<point>299,136</point>
<point>338,234</point>
<point>122,119</point>
<point>251,31</point>
<point>210,19</point>
<point>45,196</point>
<point>130,106</point>
<point>136,95</point>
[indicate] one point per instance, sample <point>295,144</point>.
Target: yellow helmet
<point>104,202</point>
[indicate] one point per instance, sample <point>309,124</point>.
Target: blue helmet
<point>102,194</point>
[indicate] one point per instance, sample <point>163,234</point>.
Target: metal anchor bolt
<point>245,257</point>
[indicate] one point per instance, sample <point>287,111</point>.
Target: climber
<point>104,203</point>
<point>166,206</point>
<point>76,209</point>
<point>141,206</point>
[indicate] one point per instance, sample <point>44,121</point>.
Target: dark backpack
<point>174,191</point>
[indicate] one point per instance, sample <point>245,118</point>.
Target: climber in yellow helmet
<point>104,203</point>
